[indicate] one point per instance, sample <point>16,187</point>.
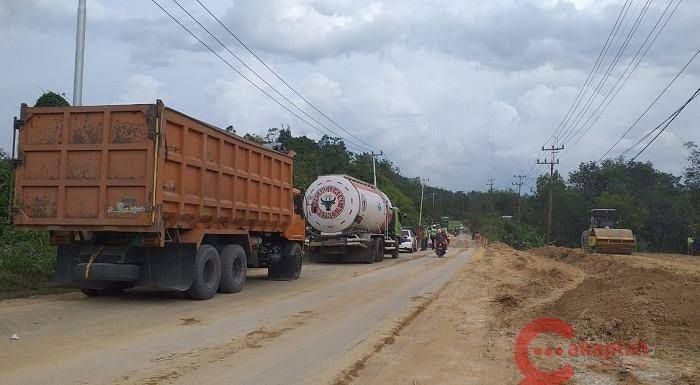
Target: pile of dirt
<point>653,298</point>
<point>527,282</point>
<point>563,254</point>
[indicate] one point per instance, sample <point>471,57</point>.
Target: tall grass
<point>26,260</point>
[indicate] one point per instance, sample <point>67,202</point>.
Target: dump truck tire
<point>207,273</point>
<point>288,268</point>
<point>234,268</point>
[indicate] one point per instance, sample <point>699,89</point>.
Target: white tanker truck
<point>351,220</point>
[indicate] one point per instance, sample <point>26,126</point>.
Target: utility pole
<point>79,55</point>
<point>553,150</point>
<point>374,166</point>
<point>519,183</point>
<point>422,189</point>
<point>490,184</point>
<point>433,194</point>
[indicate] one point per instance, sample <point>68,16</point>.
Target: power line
<point>234,68</point>
<point>258,76</point>
<point>650,105</point>
<point>589,80</point>
<point>593,70</point>
<point>607,100</point>
<point>280,78</point>
<point>572,130</point>
<point>670,120</point>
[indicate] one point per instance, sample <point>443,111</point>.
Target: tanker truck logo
<point>328,202</point>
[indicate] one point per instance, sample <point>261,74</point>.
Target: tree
<point>691,180</point>
<point>51,99</point>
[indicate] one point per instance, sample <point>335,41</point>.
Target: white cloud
<point>456,90</point>
<point>141,89</point>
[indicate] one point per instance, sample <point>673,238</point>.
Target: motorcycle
<point>441,248</point>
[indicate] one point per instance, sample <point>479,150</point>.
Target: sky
<point>456,91</point>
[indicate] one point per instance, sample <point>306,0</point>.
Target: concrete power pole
<point>433,194</point>
<point>374,166</point>
<point>422,189</point>
<point>519,183</point>
<point>553,150</point>
<point>490,184</point>
<point>79,54</point>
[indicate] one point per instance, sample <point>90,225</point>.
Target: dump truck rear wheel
<point>207,273</point>
<point>288,268</point>
<point>234,268</point>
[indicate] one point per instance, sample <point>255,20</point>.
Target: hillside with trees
<point>660,208</point>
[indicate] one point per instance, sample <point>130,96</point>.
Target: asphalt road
<point>310,331</point>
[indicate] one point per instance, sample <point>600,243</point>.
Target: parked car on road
<point>408,241</point>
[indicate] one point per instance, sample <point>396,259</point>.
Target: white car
<point>408,241</point>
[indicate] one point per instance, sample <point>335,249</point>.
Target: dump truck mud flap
<point>114,272</point>
<point>159,268</point>
<point>169,268</point>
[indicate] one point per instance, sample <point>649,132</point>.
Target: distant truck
<point>351,220</point>
<point>145,196</point>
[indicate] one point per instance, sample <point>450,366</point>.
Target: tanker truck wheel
<point>234,267</point>
<point>379,249</point>
<point>395,252</point>
<point>371,251</point>
<point>207,273</point>
<point>288,268</point>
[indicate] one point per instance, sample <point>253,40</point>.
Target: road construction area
<point>418,319</point>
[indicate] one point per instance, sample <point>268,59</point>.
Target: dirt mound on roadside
<point>526,281</point>
<point>650,297</point>
<point>563,254</point>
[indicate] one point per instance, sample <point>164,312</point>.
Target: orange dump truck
<point>145,196</point>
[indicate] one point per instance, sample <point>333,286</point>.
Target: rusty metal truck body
<point>145,196</point>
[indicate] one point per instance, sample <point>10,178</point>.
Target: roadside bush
<point>519,236</point>
<point>26,260</point>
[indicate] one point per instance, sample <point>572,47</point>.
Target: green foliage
<point>51,99</point>
<point>691,180</point>
<point>26,258</point>
<point>520,236</point>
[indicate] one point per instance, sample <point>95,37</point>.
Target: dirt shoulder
<point>467,334</point>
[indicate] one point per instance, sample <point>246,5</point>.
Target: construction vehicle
<point>351,220</point>
<point>603,236</point>
<point>145,196</point>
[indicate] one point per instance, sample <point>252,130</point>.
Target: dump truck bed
<point>144,168</point>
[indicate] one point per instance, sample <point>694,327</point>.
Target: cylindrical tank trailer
<point>352,219</point>
<point>338,203</point>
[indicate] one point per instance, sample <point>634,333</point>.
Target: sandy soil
<point>416,320</point>
<point>301,332</point>
<point>467,334</point>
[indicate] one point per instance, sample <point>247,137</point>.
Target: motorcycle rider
<point>441,237</point>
